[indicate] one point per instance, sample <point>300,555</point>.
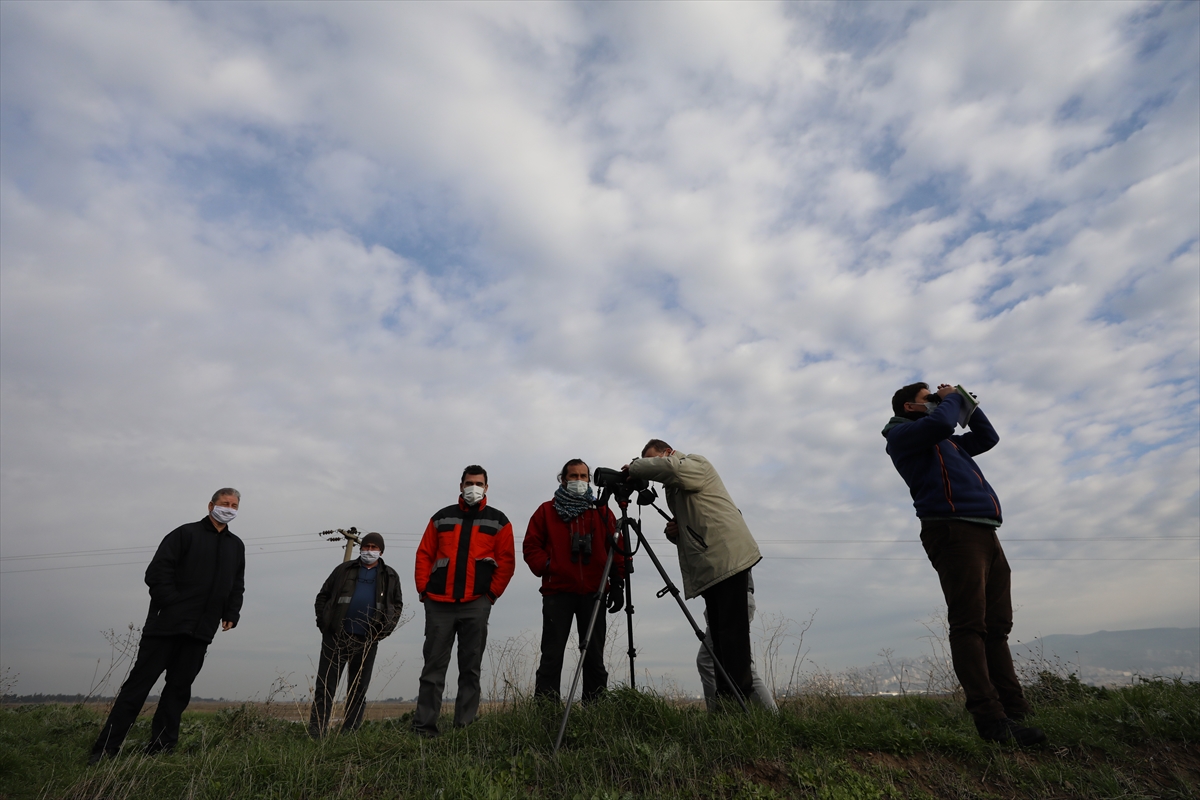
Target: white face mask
<point>577,488</point>
<point>368,557</point>
<point>472,494</point>
<point>930,407</point>
<point>223,514</point>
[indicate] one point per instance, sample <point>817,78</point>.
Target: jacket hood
<point>893,422</point>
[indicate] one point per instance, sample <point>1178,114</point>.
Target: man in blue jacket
<point>196,580</point>
<point>960,514</point>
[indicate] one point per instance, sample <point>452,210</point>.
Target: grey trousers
<point>443,622</point>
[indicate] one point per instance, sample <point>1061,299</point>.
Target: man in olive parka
<point>716,551</point>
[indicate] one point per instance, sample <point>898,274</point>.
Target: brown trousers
<point>976,581</point>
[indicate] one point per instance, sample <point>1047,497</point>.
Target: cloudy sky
<point>331,253</point>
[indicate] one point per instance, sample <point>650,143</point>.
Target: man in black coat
<point>196,582</point>
<point>358,605</point>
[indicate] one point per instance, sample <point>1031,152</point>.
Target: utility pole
<point>351,536</point>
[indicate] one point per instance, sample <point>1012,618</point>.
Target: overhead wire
<point>251,552</point>
<point>126,563</point>
<point>300,536</point>
<point>257,543</point>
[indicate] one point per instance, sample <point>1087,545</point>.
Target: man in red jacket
<point>566,545</point>
<point>464,562</point>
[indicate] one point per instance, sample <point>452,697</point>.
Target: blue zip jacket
<point>938,467</point>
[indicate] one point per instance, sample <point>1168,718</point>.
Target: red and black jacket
<point>466,553</point>
<point>547,550</point>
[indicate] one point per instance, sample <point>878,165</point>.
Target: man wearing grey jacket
<point>716,551</point>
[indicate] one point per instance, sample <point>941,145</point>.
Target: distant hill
<point>1115,656</point>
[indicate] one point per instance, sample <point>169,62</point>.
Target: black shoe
<point>1027,736</point>
<point>1018,716</point>
<point>1007,731</point>
<point>96,756</point>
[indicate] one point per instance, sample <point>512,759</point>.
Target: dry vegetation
<point>831,740</point>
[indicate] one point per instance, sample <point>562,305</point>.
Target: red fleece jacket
<point>547,550</point>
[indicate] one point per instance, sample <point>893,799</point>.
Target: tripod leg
<point>583,647</point>
<point>629,625</point>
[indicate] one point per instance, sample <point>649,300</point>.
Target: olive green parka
<point>714,541</point>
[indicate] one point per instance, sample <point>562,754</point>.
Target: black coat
<point>196,579</point>
<point>334,599</point>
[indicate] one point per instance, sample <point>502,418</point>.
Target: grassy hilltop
<point>1141,741</point>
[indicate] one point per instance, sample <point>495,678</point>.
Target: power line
<point>148,547</point>
<point>768,557</point>
<point>125,563</point>
<point>871,558</point>
<point>301,536</point>
<point>1004,541</point>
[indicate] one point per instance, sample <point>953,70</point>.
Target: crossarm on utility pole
<point>351,536</point>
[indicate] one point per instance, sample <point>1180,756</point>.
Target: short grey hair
<point>219,493</point>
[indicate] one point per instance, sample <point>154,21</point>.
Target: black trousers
<point>356,656</point>
<point>181,657</point>
<point>729,625</point>
<point>976,582</point>
<point>558,611</point>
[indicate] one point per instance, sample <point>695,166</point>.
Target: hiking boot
<point>1007,731</point>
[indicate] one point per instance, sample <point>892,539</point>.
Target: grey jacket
<point>714,541</point>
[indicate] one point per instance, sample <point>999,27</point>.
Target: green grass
<point>1138,742</point>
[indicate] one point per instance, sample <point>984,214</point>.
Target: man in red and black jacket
<point>566,545</point>
<point>464,563</point>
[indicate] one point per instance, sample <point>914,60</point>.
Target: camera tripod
<point>622,493</point>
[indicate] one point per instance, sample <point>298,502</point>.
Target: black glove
<point>614,599</point>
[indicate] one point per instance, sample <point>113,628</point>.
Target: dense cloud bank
<point>330,253</point>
